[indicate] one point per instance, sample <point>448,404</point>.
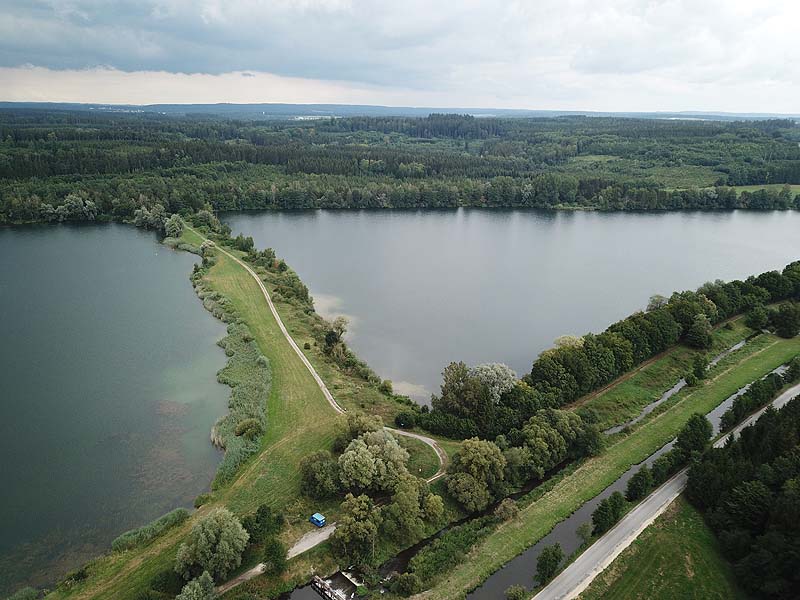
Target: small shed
<point>318,519</point>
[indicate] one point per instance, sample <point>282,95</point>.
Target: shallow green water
<point>425,288</point>
<point>108,371</point>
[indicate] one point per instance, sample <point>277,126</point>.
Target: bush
<point>249,428</point>
<point>275,560</point>
<point>516,592</point>
<point>319,475</point>
<point>262,524</point>
<point>202,499</point>
<point>607,513</point>
<point>215,544</point>
<point>506,510</point>
<point>406,584</point>
<point>548,562</point>
<point>386,387</point>
<point>639,485</point>
<point>307,346</point>
<point>167,582</point>
<point>201,588</point>
<point>142,535</point>
<point>405,420</point>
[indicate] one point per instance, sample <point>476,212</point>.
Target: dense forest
<point>106,165</point>
<point>749,492</point>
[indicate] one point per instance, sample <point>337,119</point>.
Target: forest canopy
<point>111,164</point>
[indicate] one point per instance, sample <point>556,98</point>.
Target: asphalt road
<point>577,576</point>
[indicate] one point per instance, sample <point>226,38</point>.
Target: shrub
<point>319,475</point>
<point>405,420</point>
<point>516,592</point>
<point>407,584</point>
<point>262,524</point>
<point>386,387</point>
<point>202,499</point>
<point>142,535</point>
<point>506,510</point>
<point>548,562</point>
<point>640,484</point>
<point>215,544</point>
<point>201,588</point>
<point>249,428</point>
<point>275,561</point>
<point>307,346</point>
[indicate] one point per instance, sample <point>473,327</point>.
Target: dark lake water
<point>426,288</point>
<point>107,392</point>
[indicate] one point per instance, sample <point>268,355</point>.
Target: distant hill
<point>312,111</point>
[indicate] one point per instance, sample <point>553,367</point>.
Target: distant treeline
<point>122,162</point>
<point>469,406</point>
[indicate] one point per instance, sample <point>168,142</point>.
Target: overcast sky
<point>623,55</point>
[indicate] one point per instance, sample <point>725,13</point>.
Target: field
<point>676,557</point>
<point>596,474</point>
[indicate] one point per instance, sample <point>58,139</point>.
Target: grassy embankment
<point>625,398</point>
<point>595,474</point>
<point>299,421</point>
<point>675,557</point>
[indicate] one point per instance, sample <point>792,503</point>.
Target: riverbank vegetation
<point>749,495</point>
<point>64,166</point>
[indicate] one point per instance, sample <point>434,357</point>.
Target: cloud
<point>623,54</point>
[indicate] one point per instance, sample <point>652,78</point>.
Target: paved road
<point>577,576</point>
<point>312,538</point>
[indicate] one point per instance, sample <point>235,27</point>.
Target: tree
<point>403,517</point>
<point>373,461</point>
<point>319,475</point>
<point>496,377</point>
<point>215,544</point>
<point>699,366</point>
<point>699,333</point>
<point>357,531</point>
<point>405,419</point>
<point>173,226</point>
<point>432,508</point>
<point>757,318</point>
<point>406,584</point>
<point>476,472</point>
<point>656,301</point>
<point>584,531</point>
<point>548,562</point>
<point>274,557</point>
<point>473,495</point>
<point>695,434</point>
<point>506,510</point>
<point>515,592</point>
<point>639,484</point>
<point>607,513</point>
<point>262,524</point>
<point>787,319</point>
<point>201,588</point>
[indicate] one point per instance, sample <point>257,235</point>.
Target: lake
<point>423,288</point>
<point>108,367</point>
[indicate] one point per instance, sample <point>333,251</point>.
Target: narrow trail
<point>312,538</point>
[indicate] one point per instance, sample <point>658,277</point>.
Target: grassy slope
<point>625,398</point>
<point>299,421</point>
<point>535,521</point>
<point>676,557</point>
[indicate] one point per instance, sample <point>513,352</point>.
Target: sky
<point>604,55</point>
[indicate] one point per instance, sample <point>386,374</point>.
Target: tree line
<point>489,401</point>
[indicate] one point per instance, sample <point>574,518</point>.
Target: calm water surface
<point>426,288</point>
<point>108,392</point>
